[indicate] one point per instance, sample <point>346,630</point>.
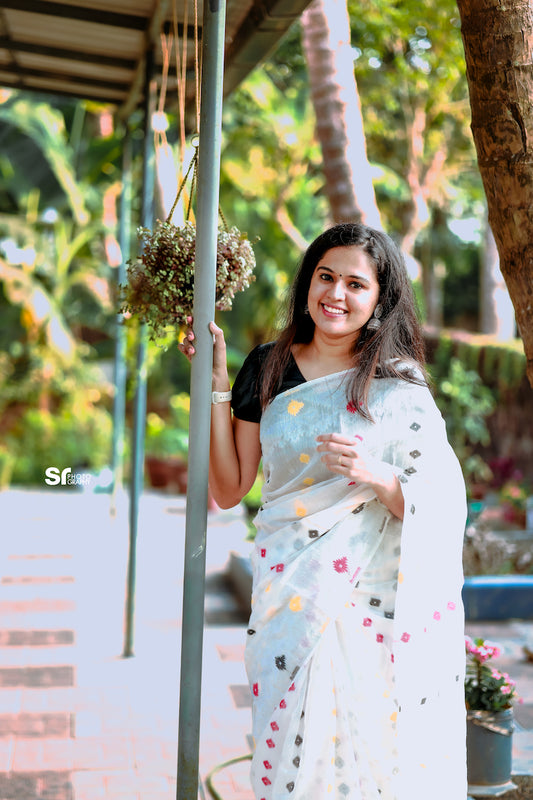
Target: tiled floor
<point>80,722</point>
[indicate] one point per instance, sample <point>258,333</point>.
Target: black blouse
<point>245,403</point>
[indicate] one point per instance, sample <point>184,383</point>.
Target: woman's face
<point>343,293</point>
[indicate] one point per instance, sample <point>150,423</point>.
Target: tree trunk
<point>498,39</point>
<point>328,52</point>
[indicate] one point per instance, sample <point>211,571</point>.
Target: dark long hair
<point>383,353</point>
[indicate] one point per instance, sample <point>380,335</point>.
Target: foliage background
<point>60,187</point>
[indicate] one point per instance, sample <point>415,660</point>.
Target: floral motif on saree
<point>355,644</point>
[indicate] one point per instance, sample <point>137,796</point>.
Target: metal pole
<point>119,400</point>
<point>201,386</point>
<point>139,411</point>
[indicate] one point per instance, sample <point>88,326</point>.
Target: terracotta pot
<point>167,473</point>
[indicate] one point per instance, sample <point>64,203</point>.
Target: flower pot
<point>489,743</point>
<point>168,473</point>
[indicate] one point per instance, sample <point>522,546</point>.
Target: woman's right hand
<point>220,370</point>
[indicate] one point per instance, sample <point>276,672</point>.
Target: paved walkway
<point>78,721</point>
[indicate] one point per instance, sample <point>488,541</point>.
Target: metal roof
<point>95,49</point>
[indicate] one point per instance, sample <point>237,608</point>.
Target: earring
<point>374,323</point>
<point>306,309</point>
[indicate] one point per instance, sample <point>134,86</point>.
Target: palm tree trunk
<point>327,48</point>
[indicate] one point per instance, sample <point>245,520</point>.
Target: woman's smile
<point>333,310</point>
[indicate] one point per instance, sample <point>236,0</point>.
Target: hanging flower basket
<point>160,284</point>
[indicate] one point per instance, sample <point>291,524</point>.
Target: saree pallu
<point>355,647</point>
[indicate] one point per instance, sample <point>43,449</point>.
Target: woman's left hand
<point>349,457</point>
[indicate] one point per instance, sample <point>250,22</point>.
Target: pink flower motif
<point>266,781</point>
<point>436,615</point>
<point>505,689</point>
<point>392,657</point>
<point>274,726</point>
<point>379,637</point>
<point>292,687</point>
<point>451,606</point>
<point>341,564</point>
<point>405,637</point>
<point>351,407</point>
<point>283,704</point>
<point>367,622</point>
<point>267,764</point>
<point>270,743</point>
<point>263,552</point>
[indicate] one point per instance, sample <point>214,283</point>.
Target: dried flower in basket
<point>160,284</point>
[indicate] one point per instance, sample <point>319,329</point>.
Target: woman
<point>355,649</point>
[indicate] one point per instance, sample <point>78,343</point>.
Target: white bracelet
<point>221,397</point>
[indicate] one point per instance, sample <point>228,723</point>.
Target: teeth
<point>332,310</point>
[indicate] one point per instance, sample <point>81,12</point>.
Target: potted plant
<point>489,695</point>
<point>167,443</point>
<point>160,284</point>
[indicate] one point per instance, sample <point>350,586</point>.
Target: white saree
<point>355,647</point>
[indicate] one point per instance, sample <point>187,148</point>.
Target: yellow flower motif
<point>400,577</point>
<point>268,588</point>
<point>296,603</point>
<point>301,510</point>
<point>294,407</point>
<point>308,481</point>
<point>394,716</point>
<point>305,458</point>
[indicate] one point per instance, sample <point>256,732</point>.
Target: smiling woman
<point>347,612</point>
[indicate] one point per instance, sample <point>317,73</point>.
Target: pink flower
<point>341,564</point>
<point>367,622</point>
<point>505,689</point>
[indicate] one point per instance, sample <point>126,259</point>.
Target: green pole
<point>139,409</point>
<point>119,399</point>
<point>201,387</point>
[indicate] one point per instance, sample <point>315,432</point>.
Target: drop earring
<point>374,323</point>
<point>306,309</point>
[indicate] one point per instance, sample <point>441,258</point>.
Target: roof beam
<point>14,46</point>
<point>12,83</point>
<point>62,77</point>
<point>62,10</point>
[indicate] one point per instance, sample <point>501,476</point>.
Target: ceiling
<point>95,49</point>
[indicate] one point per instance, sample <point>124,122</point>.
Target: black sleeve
<point>245,403</point>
